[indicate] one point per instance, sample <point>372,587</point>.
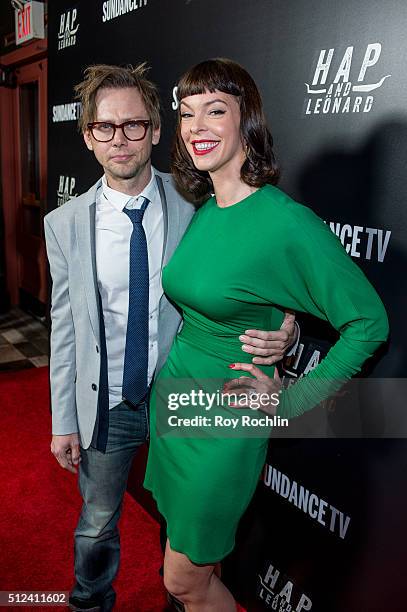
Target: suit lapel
<point>171,220</point>
<point>85,234</point>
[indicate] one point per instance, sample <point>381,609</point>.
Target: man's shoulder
<point>67,211</point>
<point>174,194</point>
<point>168,182</point>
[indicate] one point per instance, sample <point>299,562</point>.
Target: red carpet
<point>40,506</point>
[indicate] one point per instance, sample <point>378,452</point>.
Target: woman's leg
<point>197,586</point>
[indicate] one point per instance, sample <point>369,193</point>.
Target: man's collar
<point>118,199</point>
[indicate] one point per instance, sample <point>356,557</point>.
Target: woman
<point>249,253</point>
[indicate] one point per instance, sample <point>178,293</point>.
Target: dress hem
<point>181,551</point>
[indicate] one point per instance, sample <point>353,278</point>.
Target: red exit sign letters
<point>29,22</point>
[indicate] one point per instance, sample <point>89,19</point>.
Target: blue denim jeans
<point>102,483</point>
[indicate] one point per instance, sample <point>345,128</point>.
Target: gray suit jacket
<point>75,338</point>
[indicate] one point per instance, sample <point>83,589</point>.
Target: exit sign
<point>29,22</point>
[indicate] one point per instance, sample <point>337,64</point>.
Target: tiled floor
<point>23,341</point>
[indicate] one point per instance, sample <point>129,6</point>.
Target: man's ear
<point>156,135</point>
<point>88,139</point>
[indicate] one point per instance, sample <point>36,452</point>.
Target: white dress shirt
<point>113,232</point>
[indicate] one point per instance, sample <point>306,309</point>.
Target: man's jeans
<point>102,483</point>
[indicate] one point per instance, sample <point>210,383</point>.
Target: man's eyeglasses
<point>133,130</point>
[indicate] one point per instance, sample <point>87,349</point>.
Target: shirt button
<point>97,349</point>
<point>94,387</point>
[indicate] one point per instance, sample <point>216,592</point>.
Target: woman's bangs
<point>210,76</point>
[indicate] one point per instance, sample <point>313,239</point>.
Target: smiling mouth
<point>202,147</point>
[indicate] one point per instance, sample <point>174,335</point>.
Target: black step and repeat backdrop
<point>326,530</point>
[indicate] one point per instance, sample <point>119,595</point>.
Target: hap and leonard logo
<point>334,90</point>
<point>111,9</point>
<point>66,189</point>
<point>279,592</point>
<point>68,29</point>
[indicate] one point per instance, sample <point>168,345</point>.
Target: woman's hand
<point>260,392</point>
<point>270,346</point>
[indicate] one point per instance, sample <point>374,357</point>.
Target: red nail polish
<point>232,365</point>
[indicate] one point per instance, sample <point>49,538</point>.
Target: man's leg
<point>102,483</point>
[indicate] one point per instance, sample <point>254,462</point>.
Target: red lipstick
<point>203,147</point>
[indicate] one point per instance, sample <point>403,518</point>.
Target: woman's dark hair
<point>260,166</point>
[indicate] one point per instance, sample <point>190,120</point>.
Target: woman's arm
<point>325,282</point>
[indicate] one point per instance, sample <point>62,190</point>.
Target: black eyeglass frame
<point>144,122</point>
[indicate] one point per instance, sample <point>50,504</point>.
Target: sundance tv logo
<point>310,503</point>
<point>116,8</point>
<point>68,28</point>
<point>66,112</point>
<point>66,189</point>
<point>334,91</point>
<point>369,243</point>
<point>279,592</point>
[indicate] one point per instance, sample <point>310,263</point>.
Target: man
<point>112,327</point>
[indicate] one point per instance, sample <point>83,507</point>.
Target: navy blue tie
<point>135,373</point>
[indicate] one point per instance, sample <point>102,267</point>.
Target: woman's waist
<point>224,344</point>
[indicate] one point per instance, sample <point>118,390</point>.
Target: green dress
<point>238,268</point>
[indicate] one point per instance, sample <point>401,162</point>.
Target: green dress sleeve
<point>320,278</point>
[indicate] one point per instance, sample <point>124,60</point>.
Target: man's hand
<point>270,346</point>
<point>66,451</point>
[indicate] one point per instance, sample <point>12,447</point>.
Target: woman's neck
<point>230,189</point>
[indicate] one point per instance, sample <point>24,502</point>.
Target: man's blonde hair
<point>103,76</point>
